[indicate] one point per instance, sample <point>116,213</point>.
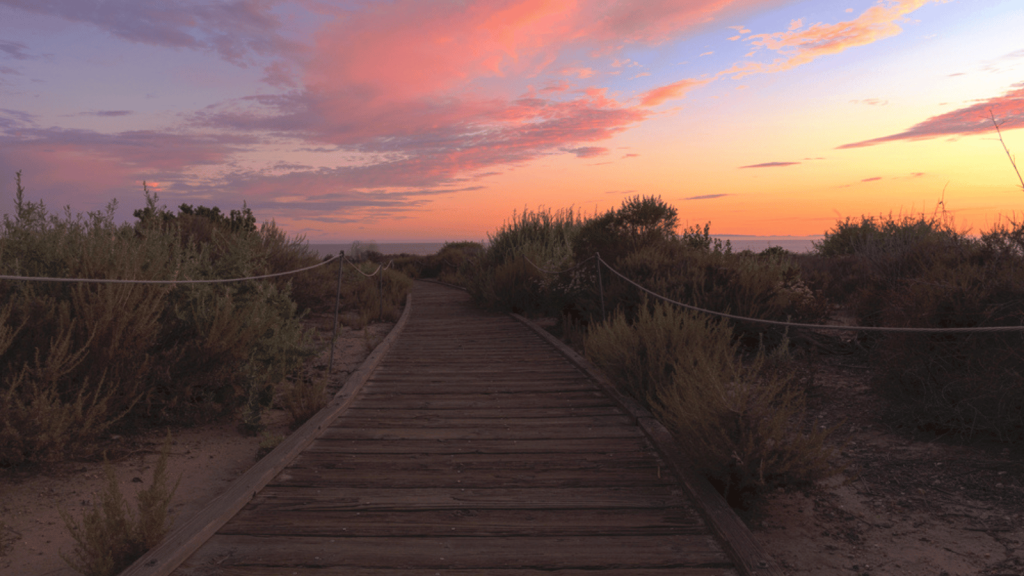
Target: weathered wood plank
<point>470,522</point>
<point>571,445</point>
<point>274,499</point>
<point>472,401</point>
<point>534,461</point>
<point>358,571</point>
<point>570,411</point>
<point>473,478</point>
<point>494,432</point>
<point>551,553</point>
<point>433,420</point>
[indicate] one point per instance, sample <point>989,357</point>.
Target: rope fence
<point>601,262</point>
<point>337,303</point>
<point>125,281</point>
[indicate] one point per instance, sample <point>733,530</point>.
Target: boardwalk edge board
<point>173,550</point>
<point>735,536</point>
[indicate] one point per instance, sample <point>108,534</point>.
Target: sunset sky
<point>433,120</point>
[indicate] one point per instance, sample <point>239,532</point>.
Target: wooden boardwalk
<point>475,448</point>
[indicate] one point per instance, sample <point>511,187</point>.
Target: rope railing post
<point>600,284</point>
<point>337,304</point>
<point>380,295</point>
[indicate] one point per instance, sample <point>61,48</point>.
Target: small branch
<point>1013,162</point>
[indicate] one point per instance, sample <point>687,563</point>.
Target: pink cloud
<point>413,49</point>
<point>672,91</point>
<point>656,21</point>
<point>436,93</point>
<point>1008,110</point>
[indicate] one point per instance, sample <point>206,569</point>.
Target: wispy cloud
<point>707,196</point>
<point>587,151</point>
<point>872,179</point>
<point>1008,110</point>
<point>870,101</point>
<point>802,44</point>
<point>234,29</point>
<point>15,50</point>
<point>770,165</point>
<point>109,113</point>
<point>672,91</point>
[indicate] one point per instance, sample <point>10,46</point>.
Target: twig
<point>1013,162</point>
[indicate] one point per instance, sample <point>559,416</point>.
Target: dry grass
<point>110,536</point>
<point>741,423</point>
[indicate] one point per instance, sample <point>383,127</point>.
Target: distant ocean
<point>754,243</point>
<point>417,248</point>
<point>759,243</point>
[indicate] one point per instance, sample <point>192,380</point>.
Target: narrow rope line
<point>120,281</point>
<point>818,326</point>
<point>576,267</point>
<point>379,269</point>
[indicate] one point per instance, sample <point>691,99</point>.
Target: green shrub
<point>922,272</point>
<point>88,357</point>
<point>546,237</point>
<point>379,297</point>
<point>110,536</point>
<point>639,223</point>
<point>515,285</point>
<point>744,425</point>
<point>749,285</point>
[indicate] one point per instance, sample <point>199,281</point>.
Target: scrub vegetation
<point>110,536</point>
<point>79,361</point>
<point>734,391</point>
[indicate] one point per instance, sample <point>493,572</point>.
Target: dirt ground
<point>906,504</point>
<point>207,459</point>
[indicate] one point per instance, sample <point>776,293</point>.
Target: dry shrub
<point>742,424</point>
<point>456,263</point>
<point>514,285</point>
<point>922,272</point>
<point>744,284</point>
<point>268,442</point>
<point>110,536</point>
<point>379,297</point>
<point>304,398</point>
<point>44,413</point>
<point>88,357</point>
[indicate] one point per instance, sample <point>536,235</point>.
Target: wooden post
<point>337,303</point>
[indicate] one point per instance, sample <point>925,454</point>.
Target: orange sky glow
<point>434,120</point>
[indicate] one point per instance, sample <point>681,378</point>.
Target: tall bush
<point>744,425</point>
<point>922,272</point>
<point>88,357</point>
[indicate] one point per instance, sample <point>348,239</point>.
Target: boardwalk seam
<point>735,536</point>
<point>183,542</point>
